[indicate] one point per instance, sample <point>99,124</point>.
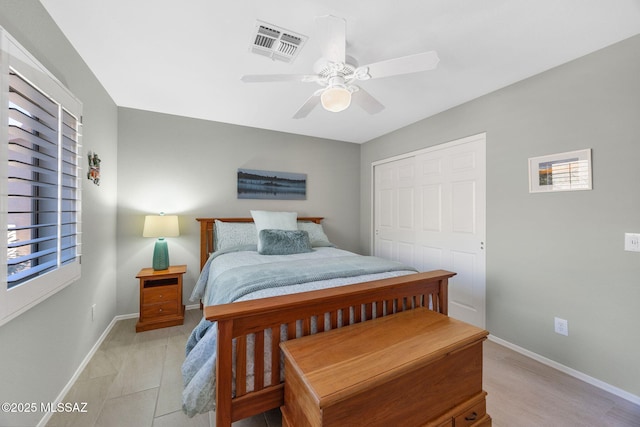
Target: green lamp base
<point>161,255</point>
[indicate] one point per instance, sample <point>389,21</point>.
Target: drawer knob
<point>471,417</point>
<point>161,310</point>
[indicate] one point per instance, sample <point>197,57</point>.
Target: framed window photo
<point>569,171</point>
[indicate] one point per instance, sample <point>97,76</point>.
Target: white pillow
<point>231,234</point>
<point>316,233</point>
<point>266,220</point>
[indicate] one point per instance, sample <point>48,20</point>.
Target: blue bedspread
<point>238,282</point>
<point>241,282</point>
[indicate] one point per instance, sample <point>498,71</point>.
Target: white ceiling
<point>186,57</point>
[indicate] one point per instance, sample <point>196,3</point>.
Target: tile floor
<point>134,380</point>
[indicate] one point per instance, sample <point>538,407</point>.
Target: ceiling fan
<point>336,72</point>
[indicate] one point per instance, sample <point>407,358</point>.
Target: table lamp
<point>161,226</point>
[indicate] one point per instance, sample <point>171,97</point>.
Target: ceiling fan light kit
<point>337,76</point>
<point>335,98</point>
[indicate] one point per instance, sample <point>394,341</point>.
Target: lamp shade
<point>161,226</point>
<point>335,99</point>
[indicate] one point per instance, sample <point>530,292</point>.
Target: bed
<point>235,349</point>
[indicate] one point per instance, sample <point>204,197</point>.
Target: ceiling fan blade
<point>367,102</point>
<point>333,37</point>
<point>306,108</point>
<point>268,78</point>
<point>403,65</point>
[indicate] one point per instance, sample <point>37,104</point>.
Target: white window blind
<point>41,188</point>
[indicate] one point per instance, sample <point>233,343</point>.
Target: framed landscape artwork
<point>258,184</point>
<point>569,171</point>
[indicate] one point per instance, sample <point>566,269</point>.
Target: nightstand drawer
<point>162,309</point>
<point>160,294</point>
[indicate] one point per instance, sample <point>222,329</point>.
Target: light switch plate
<point>632,242</point>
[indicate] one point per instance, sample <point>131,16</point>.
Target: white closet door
<point>429,212</point>
<point>394,214</point>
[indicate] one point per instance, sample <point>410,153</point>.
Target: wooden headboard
<point>207,230</point>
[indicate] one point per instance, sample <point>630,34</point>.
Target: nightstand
<point>161,298</point>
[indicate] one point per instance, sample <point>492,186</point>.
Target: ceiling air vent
<point>276,43</point>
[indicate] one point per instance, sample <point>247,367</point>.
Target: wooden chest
<point>413,368</point>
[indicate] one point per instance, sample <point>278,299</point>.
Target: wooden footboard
<point>303,314</point>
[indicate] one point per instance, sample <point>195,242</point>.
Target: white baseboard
<point>569,371</point>
<point>45,419</point>
<point>83,364</point>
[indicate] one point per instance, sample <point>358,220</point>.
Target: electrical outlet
<point>561,326</point>
<point>632,242</point>
<point>93,312</point>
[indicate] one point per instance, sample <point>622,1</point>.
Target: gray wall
<point>188,167</point>
<point>555,254</point>
<point>41,349</point>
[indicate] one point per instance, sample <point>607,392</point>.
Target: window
<point>40,166</point>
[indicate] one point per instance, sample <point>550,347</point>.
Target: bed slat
<point>334,319</point>
<point>388,307</point>
<point>357,313</point>
<point>275,355</point>
<point>291,330</point>
<point>368,311</point>
<point>241,365</point>
<point>306,326</point>
<point>258,357</point>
